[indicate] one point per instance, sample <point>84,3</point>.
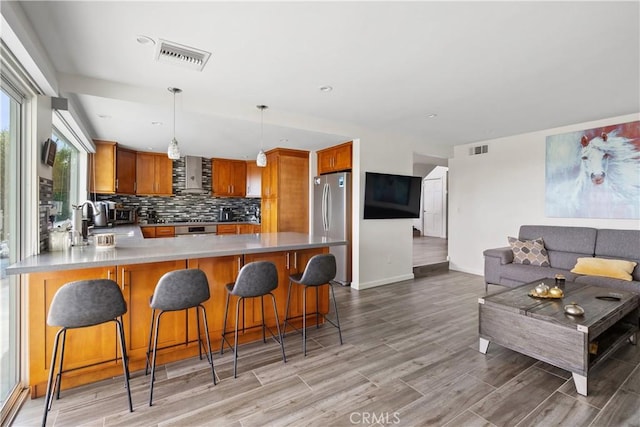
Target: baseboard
<point>455,267</point>
<point>387,280</point>
<point>425,270</point>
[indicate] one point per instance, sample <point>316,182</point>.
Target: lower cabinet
<point>238,228</point>
<point>97,347</point>
<point>102,350</point>
<point>138,282</point>
<point>158,231</point>
<point>219,271</point>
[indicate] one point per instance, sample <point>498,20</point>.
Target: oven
<point>195,230</point>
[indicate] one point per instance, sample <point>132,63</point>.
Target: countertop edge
<point>130,253</point>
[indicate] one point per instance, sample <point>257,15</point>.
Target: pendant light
<point>261,160</point>
<point>174,151</point>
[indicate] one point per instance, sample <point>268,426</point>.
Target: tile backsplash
<point>183,205</point>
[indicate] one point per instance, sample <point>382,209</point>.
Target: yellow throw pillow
<point>614,268</point>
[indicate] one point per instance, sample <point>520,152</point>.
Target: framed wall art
<point>594,173</point>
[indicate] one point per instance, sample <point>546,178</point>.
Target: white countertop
<point>132,248</point>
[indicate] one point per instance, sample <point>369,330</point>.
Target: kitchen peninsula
<point>137,264</point>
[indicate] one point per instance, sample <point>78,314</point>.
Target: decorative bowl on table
<point>543,291</point>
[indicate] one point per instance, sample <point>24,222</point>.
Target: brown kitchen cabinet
<point>96,346</point>
<point>125,171</point>
<point>254,179</point>
<point>165,231</point>
<point>138,281</point>
<point>285,191</point>
<point>101,353</point>
<point>238,228</point>
<point>154,174</point>
<point>229,177</point>
<point>289,262</point>
<point>112,169</point>
<point>248,228</point>
<point>335,159</point>
<point>227,229</point>
<point>148,232</point>
<point>158,231</point>
<point>219,272</point>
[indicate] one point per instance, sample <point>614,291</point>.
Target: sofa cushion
<point>620,244</point>
<point>529,252</point>
<point>529,273</point>
<point>564,245</point>
<point>613,268</point>
<point>607,282</point>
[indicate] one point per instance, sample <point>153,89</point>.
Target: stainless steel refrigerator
<point>332,217</point>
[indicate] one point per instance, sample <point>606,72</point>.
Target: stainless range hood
<point>193,175</point>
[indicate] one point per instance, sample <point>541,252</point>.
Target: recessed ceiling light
<point>326,88</point>
<point>142,39</point>
<point>150,148</point>
<point>156,123</point>
<point>104,116</point>
<point>432,116</point>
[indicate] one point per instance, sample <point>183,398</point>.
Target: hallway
<point>429,250</point>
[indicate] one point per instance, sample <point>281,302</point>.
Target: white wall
<point>491,195</point>
<point>385,245</point>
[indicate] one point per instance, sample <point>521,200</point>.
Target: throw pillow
<point>529,252</point>
<point>614,268</point>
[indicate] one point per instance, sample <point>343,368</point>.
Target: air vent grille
<point>478,149</point>
<point>178,54</point>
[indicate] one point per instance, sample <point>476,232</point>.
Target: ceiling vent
<point>178,54</point>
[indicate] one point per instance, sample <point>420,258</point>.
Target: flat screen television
<point>391,196</point>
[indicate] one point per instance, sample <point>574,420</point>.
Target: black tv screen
<point>391,196</point>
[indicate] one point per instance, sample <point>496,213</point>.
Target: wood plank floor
<point>429,250</point>
<point>409,358</point>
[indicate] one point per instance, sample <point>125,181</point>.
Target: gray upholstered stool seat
<point>82,304</point>
<point>320,270</point>
<point>255,279</point>
<point>179,290</point>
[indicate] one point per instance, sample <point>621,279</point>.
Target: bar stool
<point>321,270</point>
<point>179,290</point>
<point>255,279</point>
<point>81,304</point>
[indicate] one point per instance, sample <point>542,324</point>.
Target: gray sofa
<point>564,246</point>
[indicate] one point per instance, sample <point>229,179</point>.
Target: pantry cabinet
<point>285,191</point>
<point>254,179</point>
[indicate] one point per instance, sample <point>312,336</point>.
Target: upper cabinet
<point>335,159</point>
<point>154,174</point>
<point>229,177</point>
<point>125,171</point>
<point>254,179</point>
<point>112,169</point>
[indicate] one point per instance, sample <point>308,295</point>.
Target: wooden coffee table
<point>539,327</point>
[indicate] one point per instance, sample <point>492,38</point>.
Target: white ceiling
<point>487,69</point>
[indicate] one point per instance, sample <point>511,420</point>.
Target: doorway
<point>430,245</point>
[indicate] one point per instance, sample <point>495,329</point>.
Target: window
<point>10,136</point>
<point>65,177</point>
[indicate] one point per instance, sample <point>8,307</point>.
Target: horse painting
<point>596,177</point>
